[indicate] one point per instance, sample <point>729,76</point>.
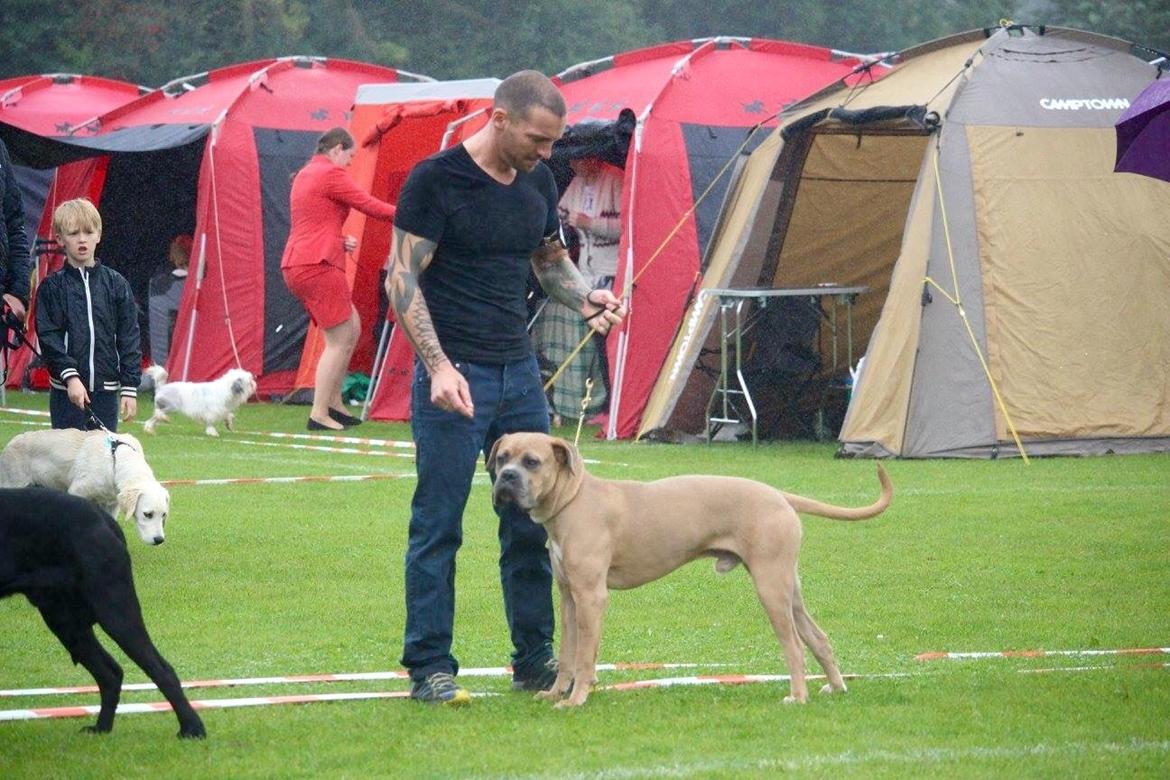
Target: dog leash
<point>113,441</point>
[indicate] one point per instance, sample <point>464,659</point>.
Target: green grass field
<point>306,577</point>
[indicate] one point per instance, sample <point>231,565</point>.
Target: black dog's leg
<point>120,616</point>
<point>70,619</point>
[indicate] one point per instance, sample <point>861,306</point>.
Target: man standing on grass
<point>471,222</point>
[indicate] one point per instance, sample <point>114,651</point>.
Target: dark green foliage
<point>151,42</point>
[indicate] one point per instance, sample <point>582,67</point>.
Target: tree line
<point>150,42</point>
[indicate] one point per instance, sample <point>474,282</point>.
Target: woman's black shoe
<point>344,418</point>
<point>313,425</point>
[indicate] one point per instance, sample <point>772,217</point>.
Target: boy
<point>87,324</point>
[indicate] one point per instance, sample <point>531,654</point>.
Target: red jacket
<point>322,195</point>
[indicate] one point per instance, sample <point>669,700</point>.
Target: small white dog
<point>207,402</point>
<point>107,468</point>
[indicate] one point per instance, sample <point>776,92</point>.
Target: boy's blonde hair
<point>76,213</point>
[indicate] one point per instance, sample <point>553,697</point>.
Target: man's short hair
<point>528,89</point>
<point>76,213</point>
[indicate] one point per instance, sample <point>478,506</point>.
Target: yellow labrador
<point>620,534</point>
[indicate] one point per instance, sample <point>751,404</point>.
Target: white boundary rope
<point>39,713</point>
<point>400,674</point>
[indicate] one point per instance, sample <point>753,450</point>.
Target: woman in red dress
<point>313,265</point>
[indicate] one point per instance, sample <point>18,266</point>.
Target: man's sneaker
<point>439,688</point>
<point>540,680</point>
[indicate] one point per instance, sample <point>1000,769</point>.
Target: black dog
<point>70,559</point>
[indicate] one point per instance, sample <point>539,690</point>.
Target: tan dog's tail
<point>814,507</point>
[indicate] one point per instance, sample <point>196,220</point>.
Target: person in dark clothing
<point>472,221</point>
<point>15,260</point>
<point>87,324</point>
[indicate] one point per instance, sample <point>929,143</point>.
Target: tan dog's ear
<point>491,458</point>
<point>128,502</point>
<point>567,455</point>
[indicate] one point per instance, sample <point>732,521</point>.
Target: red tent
<point>51,104</point>
<point>213,155</point>
<point>695,104</point>
<point>395,125</point>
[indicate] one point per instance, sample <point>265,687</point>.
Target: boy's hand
<point>76,391</point>
<point>129,407</point>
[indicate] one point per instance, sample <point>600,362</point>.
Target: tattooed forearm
<point>409,255</point>
<point>562,281</point>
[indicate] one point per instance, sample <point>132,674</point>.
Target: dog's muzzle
<point>511,487</point>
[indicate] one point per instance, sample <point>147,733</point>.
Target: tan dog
<point>109,469</point>
<point>619,534</point>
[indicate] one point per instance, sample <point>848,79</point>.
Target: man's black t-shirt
<point>486,232</point>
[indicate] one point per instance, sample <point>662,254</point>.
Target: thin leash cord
<point>628,287</point>
<point>584,406</point>
<point>957,302</point>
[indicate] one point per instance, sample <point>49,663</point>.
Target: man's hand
<point>128,407</point>
<point>349,242</point>
<point>602,310</point>
<point>16,306</point>
<point>579,219</point>
<point>450,391</point>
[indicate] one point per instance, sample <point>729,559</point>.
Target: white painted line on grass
<point>323,448</point>
<point>281,480</point>
<point>1095,668</point>
<point>944,758</point>
<point>406,445</point>
<point>966,656</point>
<point>29,412</point>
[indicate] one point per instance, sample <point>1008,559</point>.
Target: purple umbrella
<point>1143,132</point>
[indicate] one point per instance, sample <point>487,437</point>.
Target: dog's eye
<point>531,462</point>
<point>148,515</point>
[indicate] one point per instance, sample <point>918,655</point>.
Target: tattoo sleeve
<point>560,278</point>
<point>409,257</point>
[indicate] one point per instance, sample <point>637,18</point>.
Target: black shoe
<point>439,688</point>
<point>313,425</point>
<point>344,418</point>
<point>539,680</point>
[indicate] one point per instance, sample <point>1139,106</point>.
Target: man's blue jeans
<point>507,398</point>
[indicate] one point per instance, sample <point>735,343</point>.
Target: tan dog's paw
<point>569,702</point>
<point>828,688</point>
<point>790,699</point>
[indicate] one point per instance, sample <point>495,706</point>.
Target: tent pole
<point>195,303</point>
<point>376,369</point>
<point>453,126</point>
<point>627,292</point>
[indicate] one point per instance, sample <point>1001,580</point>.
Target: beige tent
<point>1019,289</point>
